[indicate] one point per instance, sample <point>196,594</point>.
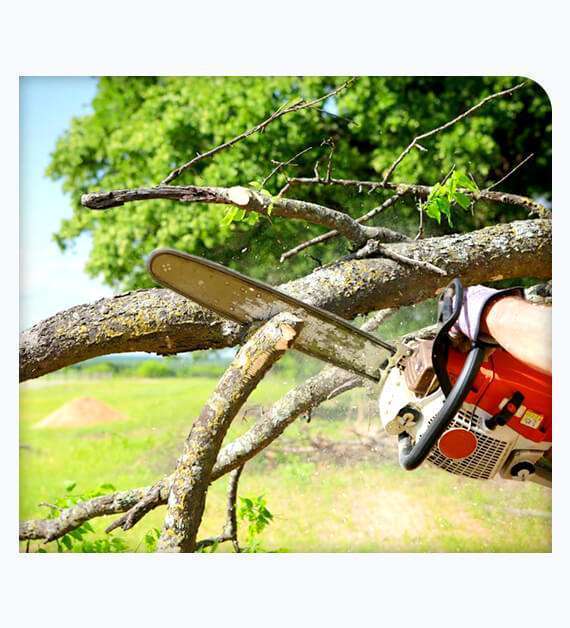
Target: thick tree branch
<point>163,322</point>
<point>297,106</point>
<point>192,476</point>
<point>248,200</point>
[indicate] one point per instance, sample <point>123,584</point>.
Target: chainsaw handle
<point>411,456</point>
<point>448,311</point>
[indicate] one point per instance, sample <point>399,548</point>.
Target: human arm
<point>521,328</point>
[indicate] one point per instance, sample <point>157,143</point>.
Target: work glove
<point>475,300</point>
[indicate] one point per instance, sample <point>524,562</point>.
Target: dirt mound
<point>81,412</point>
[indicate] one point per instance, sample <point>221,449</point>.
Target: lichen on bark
<point>192,476</point>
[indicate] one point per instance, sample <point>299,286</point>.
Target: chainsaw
<point>479,413</point>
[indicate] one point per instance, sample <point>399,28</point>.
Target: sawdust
<point>81,412</point>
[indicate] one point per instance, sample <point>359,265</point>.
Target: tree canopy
<point>142,128</point>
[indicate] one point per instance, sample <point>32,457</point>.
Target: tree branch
<point>230,531</point>
<point>248,200</point>
<point>160,321</point>
<point>73,517</point>
<point>443,127</point>
<point>328,383</point>
<point>283,164</point>
<point>373,248</point>
<point>298,106</point>
<point>334,233</point>
<point>423,191</point>
<point>512,171</point>
<point>191,478</point>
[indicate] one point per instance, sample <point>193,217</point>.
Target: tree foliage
<point>141,128</point>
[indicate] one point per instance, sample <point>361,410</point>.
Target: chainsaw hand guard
<point>411,455</point>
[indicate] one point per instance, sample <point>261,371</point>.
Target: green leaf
<point>252,218</point>
<point>229,216</point>
<point>66,540</point>
<point>69,485</point>
<point>432,210</point>
<point>464,181</point>
<point>462,200</point>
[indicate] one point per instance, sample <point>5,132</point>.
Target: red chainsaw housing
<point>499,377</point>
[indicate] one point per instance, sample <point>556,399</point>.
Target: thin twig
<point>355,382</point>
<point>443,127</point>
<point>230,531</point>
<point>283,164</point>
<point>420,233</point>
<point>334,233</point>
<point>282,111</point>
<point>373,247</point>
<point>329,163</point>
<point>519,165</point>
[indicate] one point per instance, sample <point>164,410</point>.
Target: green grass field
<point>318,506</point>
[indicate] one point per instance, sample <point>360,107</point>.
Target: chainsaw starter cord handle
<point>411,456</point>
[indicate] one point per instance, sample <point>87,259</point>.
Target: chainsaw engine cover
<point>476,444</point>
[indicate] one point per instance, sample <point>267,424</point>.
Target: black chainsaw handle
<point>411,456</point>
<point>448,310</point>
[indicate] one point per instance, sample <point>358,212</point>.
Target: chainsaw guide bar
<point>244,300</point>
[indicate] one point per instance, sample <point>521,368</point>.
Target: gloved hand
<point>475,300</point>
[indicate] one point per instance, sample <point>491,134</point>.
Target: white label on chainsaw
<point>532,419</point>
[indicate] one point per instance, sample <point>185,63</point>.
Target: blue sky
<point>49,280</point>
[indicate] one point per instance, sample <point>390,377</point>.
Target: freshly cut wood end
<point>239,196</point>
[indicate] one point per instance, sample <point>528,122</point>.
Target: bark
<point>155,320</point>
<point>162,322</point>
<point>73,517</point>
<point>192,476</point>
<point>230,531</point>
<point>251,201</point>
